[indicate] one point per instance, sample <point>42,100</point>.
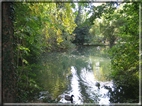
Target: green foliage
<point>39,27</point>
<point>29,45</point>
<point>81,35</point>
<point>118,25</point>
<point>42,27</point>
<point>106,23</point>
<point>125,54</point>
<point>27,82</point>
<point>83,25</point>
<point>59,26</point>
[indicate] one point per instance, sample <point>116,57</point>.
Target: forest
<point>32,29</point>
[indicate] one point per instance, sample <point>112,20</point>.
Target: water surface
<point>82,72</point>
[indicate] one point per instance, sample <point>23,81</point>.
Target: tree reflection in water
<point>77,73</point>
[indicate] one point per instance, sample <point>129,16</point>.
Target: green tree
<point>125,55</point>
<point>59,26</point>
<point>82,30</point>
<point>106,23</point>
<point>38,27</point>
<point>120,25</point>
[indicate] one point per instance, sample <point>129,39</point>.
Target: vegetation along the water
<point>31,30</point>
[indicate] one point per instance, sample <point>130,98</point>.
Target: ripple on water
<point>87,79</point>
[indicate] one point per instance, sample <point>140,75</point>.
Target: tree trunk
<point>112,41</point>
<point>8,70</point>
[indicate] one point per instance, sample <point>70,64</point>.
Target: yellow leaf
<point>59,32</point>
<point>59,40</point>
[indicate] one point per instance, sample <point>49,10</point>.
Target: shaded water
<point>82,72</point>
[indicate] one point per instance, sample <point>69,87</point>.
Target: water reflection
<point>75,88</point>
<point>81,73</point>
<point>92,92</point>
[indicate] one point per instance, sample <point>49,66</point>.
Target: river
<point>83,72</point>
